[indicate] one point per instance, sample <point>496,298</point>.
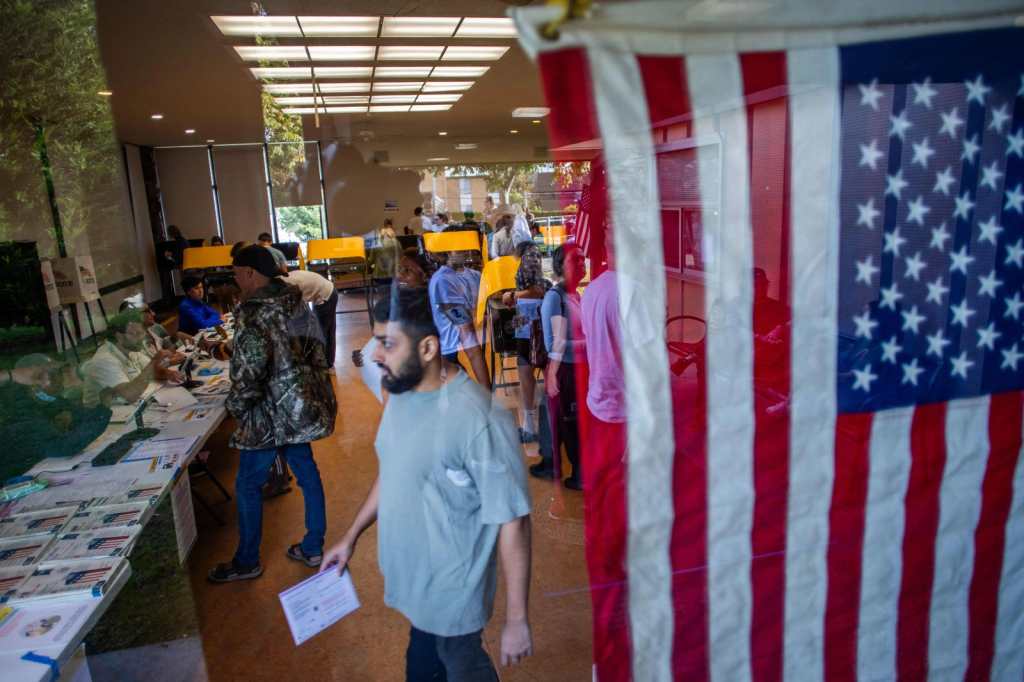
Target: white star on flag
<point>924,92</point>
<point>991,175</point>
<point>890,349</point>
<point>989,284</point>
<point>961,364</point>
<point>914,266</point>
<point>890,296</point>
<point>999,118</point>
<point>1014,200</point>
<point>943,180</point>
<point>870,94</point>
<point>911,372</point>
<point>1013,305</point>
<point>989,230</point>
<point>950,122</point>
<point>987,336</point>
<point>870,154</point>
<point>899,125</point>
<point>1015,143</point>
<point>976,90</point>
<point>1011,357</point>
<point>868,213</point>
<point>865,325</point>
<point>961,259</point>
<point>922,152</point>
<point>936,290</point>
<point>937,343</point>
<point>940,235</point>
<point>863,378</point>
<point>893,242</point>
<point>964,206</point>
<point>866,270</point>
<point>894,184</point>
<point>971,149</point>
<point>918,210</point>
<point>1015,253</point>
<point>961,313</point>
<point>912,320</point>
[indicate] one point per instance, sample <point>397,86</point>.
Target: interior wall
<point>143,226</point>
<point>241,182</point>
<point>185,187</point>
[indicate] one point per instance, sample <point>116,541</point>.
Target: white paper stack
<point>105,542</point>
<point>48,521</point>
<point>135,513</point>
<point>63,579</point>
<point>23,551</point>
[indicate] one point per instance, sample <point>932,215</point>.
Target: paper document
<point>36,626</point>
<point>318,602</point>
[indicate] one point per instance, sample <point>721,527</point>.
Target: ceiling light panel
<point>288,88</point>
<point>337,27</point>
<point>389,108</point>
<point>477,53</point>
<point>289,102</point>
<point>347,99</point>
<point>530,112</point>
<point>401,71</point>
<point>282,72</point>
<point>342,53</point>
<point>346,110</point>
<point>436,99</point>
<point>343,71</point>
<point>255,53</point>
<point>393,99</point>
<point>256,25</point>
<point>480,27</point>
<point>431,107</point>
<point>410,52</point>
<point>447,86</point>
<point>418,27</point>
<point>338,88</point>
<point>459,71</point>
<point>300,110</point>
<point>397,86</point>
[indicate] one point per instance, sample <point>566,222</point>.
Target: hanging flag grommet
<point>571,9</point>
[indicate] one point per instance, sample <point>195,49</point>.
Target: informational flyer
<point>184,516</point>
<point>37,626</point>
<point>317,603</point>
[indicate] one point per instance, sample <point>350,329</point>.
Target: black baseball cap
<point>259,259</point>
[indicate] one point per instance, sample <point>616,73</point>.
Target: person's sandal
<point>230,572</point>
<point>295,553</point>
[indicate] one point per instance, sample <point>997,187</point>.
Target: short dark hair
<point>236,247</point>
<point>524,246</point>
<point>264,237</point>
<point>190,282</point>
<point>418,210</point>
<point>443,216</point>
<point>216,240</point>
<point>558,261</point>
<point>118,324</point>
<point>412,312</point>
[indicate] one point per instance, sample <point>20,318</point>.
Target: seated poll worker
<point>118,372</point>
<point>193,312</point>
<point>450,500</point>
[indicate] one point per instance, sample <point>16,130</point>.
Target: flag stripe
<point>882,557</point>
<point>814,135</point>
<point>846,544</point>
<point>1004,428</point>
<point>567,81</point>
<point>928,460</point>
<point>967,450</point>
<point>714,81</point>
<point>1008,659</point>
<point>633,213</point>
<point>764,76</point>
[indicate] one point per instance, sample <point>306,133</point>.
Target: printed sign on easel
<point>75,279</point>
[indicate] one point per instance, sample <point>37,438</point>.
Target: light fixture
<point>418,27</point>
<point>343,71</point>
<point>401,72</point>
<point>410,52</point>
<point>389,108</point>
<point>347,99</point>
<point>210,141</point>
<point>337,27</point>
<point>447,86</point>
<point>307,88</point>
<point>535,121</point>
<point>486,27</point>
<point>284,72</point>
<point>514,131</point>
<point>255,53</point>
<point>256,25</point>
<point>458,71</point>
<point>392,99</point>
<point>156,117</point>
<point>342,53</point>
<point>462,53</point>
<point>530,112</point>
<point>463,146</point>
<point>438,158</point>
<point>299,110</point>
<point>190,131</point>
<point>346,110</point>
<point>397,86</point>
<point>437,99</point>
<point>442,133</point>
<point>105,93</point>
<point>337,88</point>
<point>294,101</point>
<point>431,107</point>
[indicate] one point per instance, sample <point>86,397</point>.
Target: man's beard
<point>409,376</point>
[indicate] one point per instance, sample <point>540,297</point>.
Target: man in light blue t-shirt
<point>454,289</point>
<point>450,500</point>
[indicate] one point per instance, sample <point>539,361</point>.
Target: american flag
<point>838,494</point>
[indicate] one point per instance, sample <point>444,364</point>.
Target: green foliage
<point>302,221</point>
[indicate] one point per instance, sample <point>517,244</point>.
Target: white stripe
<point>967,450</point>
<point>882,560</point>
<point>730,414</point>
<point>633,193</point>
<point>1008,662</point>
<point>814,140</point>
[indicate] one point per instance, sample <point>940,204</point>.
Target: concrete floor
<point>243,630</point>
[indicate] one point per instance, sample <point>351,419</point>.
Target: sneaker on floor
<point>542,470</point>
<point>573,483</point>
<point>312,560</point>
<point>230,572</point>
<point>274,491</point>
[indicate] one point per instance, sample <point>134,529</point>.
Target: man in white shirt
<point>419,223</point>
<point>114,373</point>
<point>319,291</point>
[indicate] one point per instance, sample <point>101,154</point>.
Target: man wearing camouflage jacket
<point>282,397</point>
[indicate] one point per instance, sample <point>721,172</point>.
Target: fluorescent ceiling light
<point>294,101</point>
<point>299,111</point>
<point>389,108</point>
<point>459,71</point>
<point>463,146</point>
<point>190,131</point>
<point>410,52</point>
<point>431,107</point>
<point>418,27</point>
<point>326,27</point>
<point>271,52</point>
<point>476,53</point>
<point>256,25</point>
<point>480,27</point>
<point>530,112</point>
<point>346,110</point>
<point>393,99</point>
<point>342,53</point>
<point>105,93</point>
<point>282,72</point>
<point>401,72</point>
<point>447,86</point>
<point>438,158</point>
<point>336,88</point>
<point>156,117</point>
<point>343,71</point>
<point>397,86</point>
<point>434,99</point>
<point>347,99</point>
<point>288,88</point>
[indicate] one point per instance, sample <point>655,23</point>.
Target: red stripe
<point>667,95</point>
<point>928,460</point>
<point>565,76</point>
<point>1004,432</point>
<point>768,152</point>
<point>846,543</point>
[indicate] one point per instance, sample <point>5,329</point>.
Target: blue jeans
<point>253,470</point>
<point>433,658</point>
